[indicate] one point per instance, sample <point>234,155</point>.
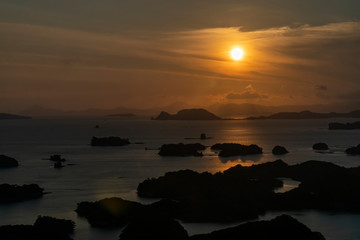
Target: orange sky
<point>76,67</point>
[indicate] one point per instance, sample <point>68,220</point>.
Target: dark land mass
<point>237,194</point>
<point>8,162</point>
<point>14,193</point>
<point>283,227</point>
<point>320,146</point>
<point>308,115</point>
<point>188,114</point>
<point>279,150</point>
<point>181,149</point>
<point>122,115</point>
<point>154,227</point>
<point>109,212</point>
<point>44,228</point>
<point>109,141</point>
<point>235,149</point>
<point>241,193</point>
<point>353,150</point>
<point>156,222</point>
<point>344,126</point>
<point>57,158</point>
<point>12,116</point>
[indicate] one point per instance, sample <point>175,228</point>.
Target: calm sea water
<point>101,172</point>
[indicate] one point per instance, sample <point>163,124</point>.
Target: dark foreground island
<point>161,228</point>
<point>237,194</point>
<point>157,221</point>
<point>44,228</point>
<point>283,227</point>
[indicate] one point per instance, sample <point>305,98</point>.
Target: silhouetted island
<point>182,149</point>
<point>8,162</point>
<point>156,221</point>
<point>57,158</point>
<point>307,115</point>
<point>4,116</point>
<point>353,150</point>
<point>58,164</point>
<point>237,194</point>
<point>345,126</point>
<point>283,227</point>
<point>320,146</point>
<point>109,141</point>
<point>236,149</point>
<point>279,150</point>
<point>242,193</point>
<point>99,213</point>
<point>14,193</point>
<point>44,228</point>
<point>188,114</point>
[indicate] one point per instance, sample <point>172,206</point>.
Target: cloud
<point>248,94</point>
<point>321,87</point>
<point>59,65</point>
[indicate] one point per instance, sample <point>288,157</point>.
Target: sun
<point>237,53</point>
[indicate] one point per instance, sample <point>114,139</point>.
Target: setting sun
<point>237,54</point>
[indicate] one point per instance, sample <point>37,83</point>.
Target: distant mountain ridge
<point>225,110</point>
<point>308,115</point>
<point>188,114</point>
<point>12,116</point>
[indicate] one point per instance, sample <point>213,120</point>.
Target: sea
<point>94,173</point>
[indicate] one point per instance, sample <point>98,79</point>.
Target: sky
<point>82,54</point>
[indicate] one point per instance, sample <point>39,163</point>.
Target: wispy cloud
<point>179,65</point>
<point>248,94</point>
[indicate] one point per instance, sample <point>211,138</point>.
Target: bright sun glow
<point>237,54</point>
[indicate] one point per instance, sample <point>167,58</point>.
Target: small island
<point>320,146</point>
<point>6,116</point>
<point>353,150</point>
<point>344,126</point>
<point>8,162</point>
<point>236,149</point>
<point>188,114</point>
<point>279,150</point>
<point>14,193</point>
<point>44,228</point>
